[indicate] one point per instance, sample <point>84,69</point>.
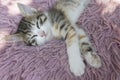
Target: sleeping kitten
<point>59,22</point>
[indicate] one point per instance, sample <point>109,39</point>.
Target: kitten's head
<point>34,28</point>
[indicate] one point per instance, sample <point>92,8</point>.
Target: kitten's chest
<point>55,32</point>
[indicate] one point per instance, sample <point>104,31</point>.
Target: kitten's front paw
<point>90,55</point>
<point>78,68</point>
<point>93,59</point>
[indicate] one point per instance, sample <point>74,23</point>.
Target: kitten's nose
<point>42,33</point>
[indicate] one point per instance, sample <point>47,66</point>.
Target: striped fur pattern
<point>34,30</point>
<point>59,22</point>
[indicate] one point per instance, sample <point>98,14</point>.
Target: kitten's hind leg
<point>72,8</point>
<point>87,51</point>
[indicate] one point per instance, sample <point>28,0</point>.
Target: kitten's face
<point>36,29</point>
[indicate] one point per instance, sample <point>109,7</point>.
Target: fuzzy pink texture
<point>101,21</point>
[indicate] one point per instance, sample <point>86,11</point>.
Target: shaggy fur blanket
<point>101,21</point>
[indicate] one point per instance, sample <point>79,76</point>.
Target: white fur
<point>93,61</point>
<point>55,33</point>
<point>82,32</point>
<point>74,11</point>
<point>75,60</point>
<point>76,63</point>
<point>90,59</point>
<point>46,27</point>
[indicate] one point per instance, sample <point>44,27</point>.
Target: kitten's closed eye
<point>32,41</point>
<point>42,18</point>
<point>34,36</point>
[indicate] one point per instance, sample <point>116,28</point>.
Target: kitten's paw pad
<point>77,69</point>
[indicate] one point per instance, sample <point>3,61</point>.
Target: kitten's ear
<point>13,38</point>
<point>26,10</point>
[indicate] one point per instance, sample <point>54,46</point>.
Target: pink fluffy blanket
<point>101,21</point>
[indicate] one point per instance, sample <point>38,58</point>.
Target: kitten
<point>59,22</point>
